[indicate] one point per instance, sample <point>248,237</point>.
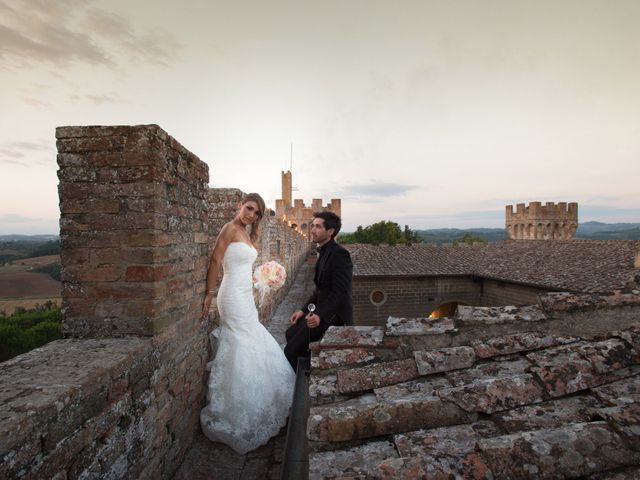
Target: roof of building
<point>599,266</point>
<point>495,392</point>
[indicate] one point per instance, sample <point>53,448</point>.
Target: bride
<point>250,387</point>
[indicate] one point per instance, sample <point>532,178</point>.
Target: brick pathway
<point>207,460</point>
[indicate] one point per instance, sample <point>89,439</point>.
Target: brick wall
<point>121,396</point>
<point>132,230</point>
<point>497,293</point>
<point>409,296</point>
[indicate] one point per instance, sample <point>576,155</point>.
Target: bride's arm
<point>222,242</point>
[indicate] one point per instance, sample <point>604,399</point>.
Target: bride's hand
<point>207,304</point>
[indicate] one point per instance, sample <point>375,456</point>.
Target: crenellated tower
<point>551,221</point>
<point>295,212</point>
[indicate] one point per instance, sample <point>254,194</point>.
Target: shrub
<point>28,329</point>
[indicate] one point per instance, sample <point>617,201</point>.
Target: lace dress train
<point>250,386</point>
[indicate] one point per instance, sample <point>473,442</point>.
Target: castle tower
<point>287,189</point>
<point>295,211</point>
<point>542,222</point>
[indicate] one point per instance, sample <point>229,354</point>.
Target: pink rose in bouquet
<point>269,276</point>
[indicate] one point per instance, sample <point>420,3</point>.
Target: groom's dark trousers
<point>332,298</point>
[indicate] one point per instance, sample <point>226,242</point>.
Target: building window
<point>277,247</point>
<point>377,297</point>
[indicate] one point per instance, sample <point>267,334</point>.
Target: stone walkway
<point>207,460</point>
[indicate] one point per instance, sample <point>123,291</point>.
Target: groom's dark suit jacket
<point>332,295</point>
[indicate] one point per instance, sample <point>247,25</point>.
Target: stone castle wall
<point>121,396</point>
<point>543,222</point>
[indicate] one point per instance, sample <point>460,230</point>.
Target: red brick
<point>148,273</point>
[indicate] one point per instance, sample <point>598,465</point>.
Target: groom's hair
<point>331,220</point>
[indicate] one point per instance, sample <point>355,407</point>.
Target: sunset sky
<point>428,113</point>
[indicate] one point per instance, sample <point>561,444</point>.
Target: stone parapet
<point>490,393</point>
<point>132,229</point>
<point>99,408</point>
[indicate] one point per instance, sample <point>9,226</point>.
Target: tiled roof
<point>521,402</point>
<point>599,266</point>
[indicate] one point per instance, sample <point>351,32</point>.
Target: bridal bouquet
<point>269,276</point>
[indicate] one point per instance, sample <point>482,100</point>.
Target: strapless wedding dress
<point>250,387</point>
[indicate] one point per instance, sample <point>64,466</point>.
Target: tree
<point>469,239</point>
<point>382,232</point>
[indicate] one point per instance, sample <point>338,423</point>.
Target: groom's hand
<point>295,316</point>
<point>313,320</point>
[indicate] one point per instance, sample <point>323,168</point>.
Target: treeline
<point>52,269</point>
<point>25,330</point>
<point>390,233</point>
<point>18,249</point>
<point>383,232</point>
<point>456,235</point>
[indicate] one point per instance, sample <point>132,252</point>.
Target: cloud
<point>375,190</point>
<point>41,146</point>
<point>97,99</point>
<point>52,43</point>
<point>69,32</point>
<point>34,102</point>
<point>11,153</point>
<point>23,150</point>
<point>154,48</point>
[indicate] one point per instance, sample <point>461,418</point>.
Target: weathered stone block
<point>419,326</point>
<point>625,420</point>
<point>339,358</point>
<point>567,452</point>
<point>490,315</point>
<point>625,391</point>
<point>443,360</point>
<point>413,389</point>
<point>487,371</point>
<point>547,415</point>
<point>519,342</point>
<point>564,370</point>
<point>336,424</point>
<point>376,375</point>
<point>493,395</point>
<point>352,337</point>
<point>349,463</point>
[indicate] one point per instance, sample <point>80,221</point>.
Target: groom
<point>332,295</point>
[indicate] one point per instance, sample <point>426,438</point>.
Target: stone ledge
<point>568,452</point>
<point>341,423</point>
<point>490,315</point>
<point>48,393</point>
<point>562,302</point>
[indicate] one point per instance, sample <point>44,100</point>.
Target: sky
<point>428,113</point>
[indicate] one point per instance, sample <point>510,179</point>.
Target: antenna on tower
<point>293,189</point>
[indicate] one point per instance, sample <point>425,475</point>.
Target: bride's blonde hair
<point>255,226</point>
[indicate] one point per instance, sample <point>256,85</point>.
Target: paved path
<point>207,460</point>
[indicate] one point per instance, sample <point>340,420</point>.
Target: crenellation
<point>535,221</point>
<point>294,211</point>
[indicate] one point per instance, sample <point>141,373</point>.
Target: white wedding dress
<point>250,387</point>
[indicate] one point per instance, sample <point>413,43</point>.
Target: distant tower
<point>287,189</point>
<point>537,222</point>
